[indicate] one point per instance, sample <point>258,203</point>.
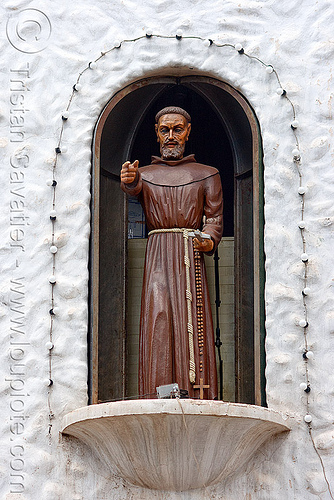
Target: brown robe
<point>175,194</point>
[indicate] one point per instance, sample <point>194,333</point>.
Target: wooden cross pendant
<point>201,386</point>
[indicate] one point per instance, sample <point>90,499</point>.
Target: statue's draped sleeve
<point>213,210</point>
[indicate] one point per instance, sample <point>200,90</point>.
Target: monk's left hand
<point>203,246</point>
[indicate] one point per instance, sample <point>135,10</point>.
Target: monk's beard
<point>172,154</point>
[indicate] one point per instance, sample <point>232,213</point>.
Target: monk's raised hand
<point>205,245</point>
<point>129,171</point>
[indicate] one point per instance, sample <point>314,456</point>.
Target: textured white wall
<point>296,38</point>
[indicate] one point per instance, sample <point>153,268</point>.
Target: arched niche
<point>227,137</point>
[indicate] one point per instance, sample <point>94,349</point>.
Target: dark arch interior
<point>221,137</point>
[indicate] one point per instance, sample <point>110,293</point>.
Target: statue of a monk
<point>178,196</point>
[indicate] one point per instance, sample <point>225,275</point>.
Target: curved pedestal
<point>174,445</point>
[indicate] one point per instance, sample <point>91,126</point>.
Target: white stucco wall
<point>296,38</point>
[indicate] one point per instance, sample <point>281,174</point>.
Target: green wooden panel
<point>244,313</point>
<point>112,292</point>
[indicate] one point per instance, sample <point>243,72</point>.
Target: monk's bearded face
<point>172,132</point>
<point>174,153</point>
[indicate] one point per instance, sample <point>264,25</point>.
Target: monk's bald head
<point>175,110</point>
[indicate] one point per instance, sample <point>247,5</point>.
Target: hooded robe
<point>175,194</point>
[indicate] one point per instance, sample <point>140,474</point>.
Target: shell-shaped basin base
<point>174,444</point>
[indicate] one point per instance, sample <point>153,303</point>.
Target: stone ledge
<point>174,445</point>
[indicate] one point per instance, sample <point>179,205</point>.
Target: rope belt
<point>186,233</point>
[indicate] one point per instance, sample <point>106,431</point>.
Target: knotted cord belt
<point>190,327</point>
